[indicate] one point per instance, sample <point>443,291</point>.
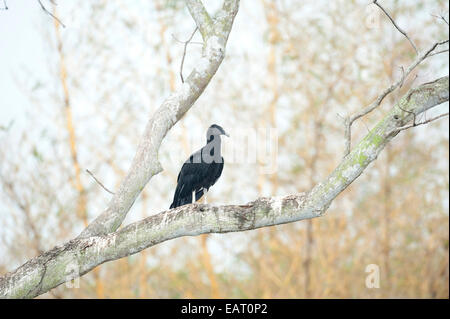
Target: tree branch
<point>184,53</point>
<point>201,18</point>
<point>55,267</point>
<point>51,14</point>
<point>441,17</point>
<point>350,119</point>
<point>414,124</point>
<point>396,26</point>
<point>145,163</point>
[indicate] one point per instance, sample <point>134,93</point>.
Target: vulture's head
<point>215,131</point>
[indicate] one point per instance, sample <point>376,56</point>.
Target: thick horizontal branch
<point>145,163</point>
<point>55,267</point>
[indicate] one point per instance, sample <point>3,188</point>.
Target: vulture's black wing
<point>215,170</point>
<point>213,174</point>
<point>195,176</point>
<point>189,179</point>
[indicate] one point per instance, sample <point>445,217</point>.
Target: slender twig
<point>183,42</point>
<point>405,73</point>
<point>51,14</point>
<point>100,183</point>
<point>5,7</point>
<point>174,106</point>
<point>6,128</point>
<point>403,76</point>
<point>409,112</point>
<point>396,25</point>
<point>184,52</point>
<point>367,128</point>
<point>201,17</point>
<point>414,124</point>
<point>440,17</point>
<point>438,52</point>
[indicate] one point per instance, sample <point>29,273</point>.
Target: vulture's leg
<point>199,194</point>
<point>205,191</point>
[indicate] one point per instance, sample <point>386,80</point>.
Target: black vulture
<point>201,170</point>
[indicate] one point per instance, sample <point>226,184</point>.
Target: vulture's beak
<point>226,134</point>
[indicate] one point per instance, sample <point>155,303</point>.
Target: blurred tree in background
<point>297,66</point>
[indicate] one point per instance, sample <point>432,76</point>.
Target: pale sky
<point>20,47</point>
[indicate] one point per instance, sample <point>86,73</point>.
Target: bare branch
<point>51,14</point>
<point>396,26</point>
<point>405,73</point>
<point>98,182</point>
<point>184,53</point>
<point>222,19</point>
<point>414,124</point>
<point>441,17</point>
<point>438,52</point>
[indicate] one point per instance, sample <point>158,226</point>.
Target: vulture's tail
<point>180,199</point>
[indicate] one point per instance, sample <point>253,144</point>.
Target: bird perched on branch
<point>201,170</point>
